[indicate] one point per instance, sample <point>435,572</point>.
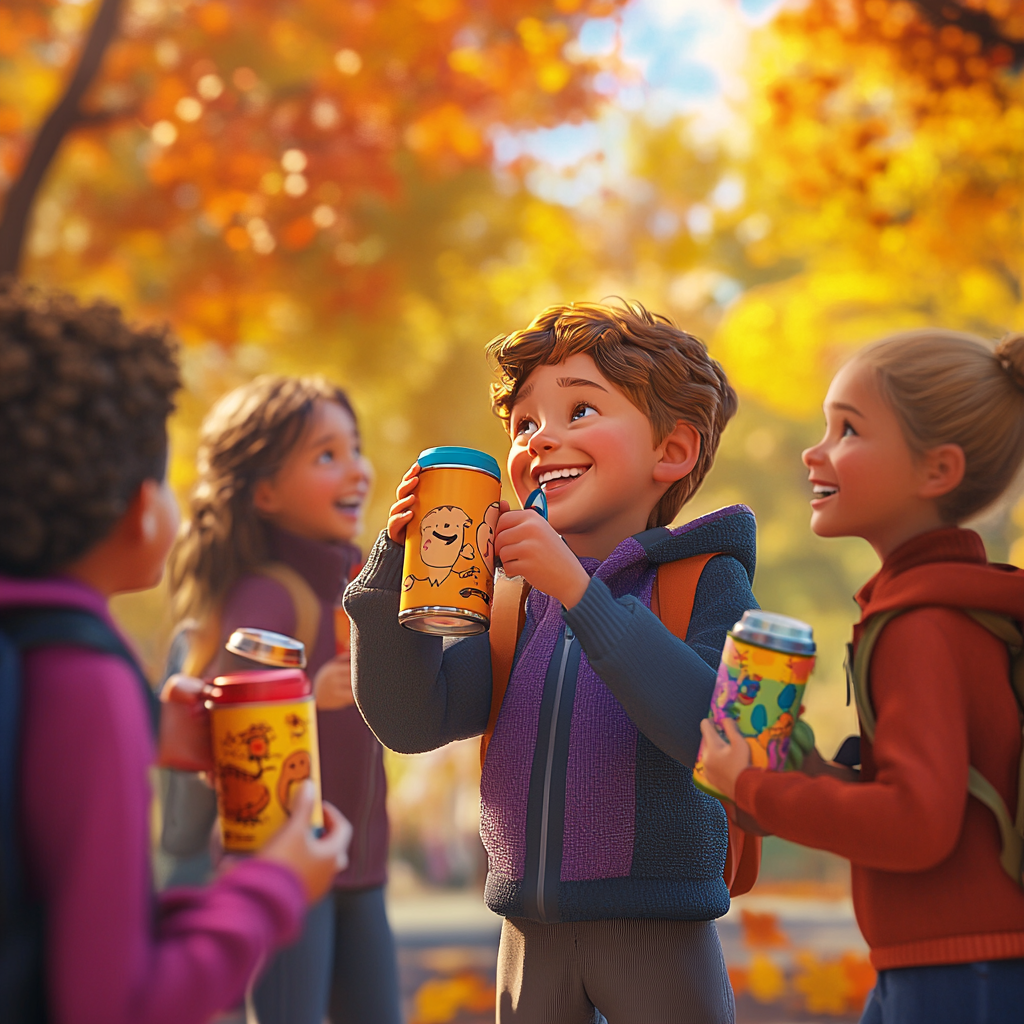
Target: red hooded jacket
<point>928,887</point>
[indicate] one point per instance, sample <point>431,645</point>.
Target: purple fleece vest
<point>600,790</point>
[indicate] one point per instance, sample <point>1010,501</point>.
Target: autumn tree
<point>224,146</point>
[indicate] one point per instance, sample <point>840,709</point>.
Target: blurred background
<point>373,189</point>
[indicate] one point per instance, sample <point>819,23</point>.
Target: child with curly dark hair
<point>85,513</point>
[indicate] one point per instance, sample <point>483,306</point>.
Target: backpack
<point>22,919</point>
<point>1011,829</point>
<point>204,641</point>
<point>675,589</point>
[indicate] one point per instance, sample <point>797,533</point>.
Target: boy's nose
<point>542,441</point>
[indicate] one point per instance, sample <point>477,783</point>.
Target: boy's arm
<point>416,691</point>
<point>664,684</point>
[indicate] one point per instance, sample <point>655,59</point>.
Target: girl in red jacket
<point>268,543</point>
<point>923,431</point>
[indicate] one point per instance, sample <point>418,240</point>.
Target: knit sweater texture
<point>928,887</point>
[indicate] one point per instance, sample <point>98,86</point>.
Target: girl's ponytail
<point>947,387</point>
<point>245,438</point>
<point>1010,353</point>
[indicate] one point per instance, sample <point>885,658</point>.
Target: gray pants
<point>344,961</point>
<point>632,971</point>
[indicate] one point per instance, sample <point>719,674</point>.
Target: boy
<point>604,859</point>
<point>86,513</point>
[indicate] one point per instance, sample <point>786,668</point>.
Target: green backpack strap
<point>857,665</point>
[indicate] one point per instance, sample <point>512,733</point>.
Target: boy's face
<point>578,436</point>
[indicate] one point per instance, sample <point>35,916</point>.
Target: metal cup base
<point>443,620</point>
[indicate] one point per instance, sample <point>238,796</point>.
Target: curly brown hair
<point>84,401</point>
<point>245,438</point>
<point>665,372</point>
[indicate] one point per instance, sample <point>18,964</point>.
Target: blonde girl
<point>923,431</point>
<point>268,542</point>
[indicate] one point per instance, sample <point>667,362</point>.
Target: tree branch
<point>979,23</point>
<point>61,119</point>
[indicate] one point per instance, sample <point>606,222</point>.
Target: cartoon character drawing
<point>485,536</point>
<point>748,689</point>
<point>243,796</point>
<point>297,767</point>
<point>442,544</point>
<point>296,725</point>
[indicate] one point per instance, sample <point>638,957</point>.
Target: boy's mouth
<point>822,491</point>
<point>558,477</point>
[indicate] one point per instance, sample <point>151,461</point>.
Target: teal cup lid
<point>459,458</point>
<point>774,631</point>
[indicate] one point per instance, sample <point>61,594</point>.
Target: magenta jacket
<point>116,953</point>
<point>351,758</point>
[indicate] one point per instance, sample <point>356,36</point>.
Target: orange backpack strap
<point>675,589</point>
<point>508,616</point>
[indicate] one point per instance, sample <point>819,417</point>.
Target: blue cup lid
<point>774,631</point>
<point>452,455</point>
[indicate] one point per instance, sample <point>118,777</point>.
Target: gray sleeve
<point>664,684</point>
<point>416,691</point>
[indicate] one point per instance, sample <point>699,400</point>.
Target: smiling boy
<point>603,858</point>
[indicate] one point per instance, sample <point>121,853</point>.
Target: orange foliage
<point>762,930</point>
<point>247,132</point>
<point>440,1000</point>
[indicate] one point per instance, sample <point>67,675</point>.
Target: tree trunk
<point>59,122</point>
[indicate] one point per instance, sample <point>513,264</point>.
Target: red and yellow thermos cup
<point>263,726</point>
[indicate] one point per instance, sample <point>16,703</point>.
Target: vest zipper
<point>548,768</point>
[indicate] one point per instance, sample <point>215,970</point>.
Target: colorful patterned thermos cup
<point>448,575</point>
<point>263,723</point>
<point>765,665</point>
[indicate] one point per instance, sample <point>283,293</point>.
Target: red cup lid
<point>259,685</point>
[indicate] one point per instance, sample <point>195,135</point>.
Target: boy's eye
<point>325,456</point>
<point>848,430</point>
<point>581,411</point>
<point>524,427</point>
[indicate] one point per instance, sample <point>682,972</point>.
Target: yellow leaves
<point>445,129</point>
<point>468,60</point>
<point>553,75</point>
<point>437,10</point>
<point>766,981</point>
<point>540,39</point>
<point>440,1000</point>
<point>822,984</point>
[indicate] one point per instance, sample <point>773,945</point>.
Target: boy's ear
<point>679,453</point>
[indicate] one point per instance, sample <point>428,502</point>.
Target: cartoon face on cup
<point>443,543</point>
<point>448,573</point>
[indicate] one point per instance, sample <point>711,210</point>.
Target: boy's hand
<point>315,861</point>
<point>529,547</point>
<point>401,511</point>
<point>723,760</point>
<point>332,686</point>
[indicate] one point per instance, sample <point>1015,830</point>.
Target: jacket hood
<point>948,568</point>
<point>728,531</point>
